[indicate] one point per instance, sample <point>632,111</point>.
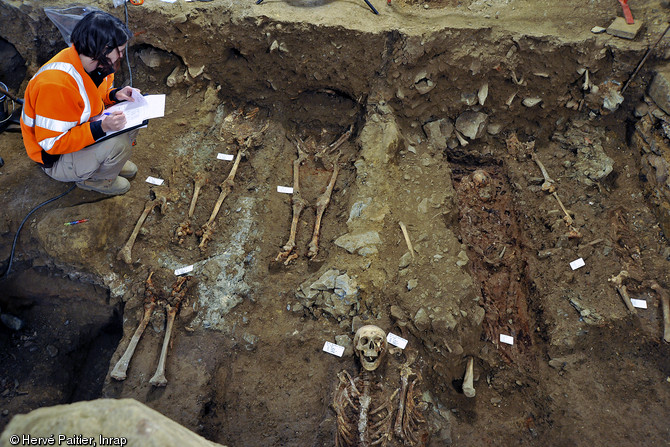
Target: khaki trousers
<point>99,161</point>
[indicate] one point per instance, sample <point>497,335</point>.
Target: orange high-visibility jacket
<point>58,103</point>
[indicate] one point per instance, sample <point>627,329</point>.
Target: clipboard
<point>122,131</point>
<point>138,112</point>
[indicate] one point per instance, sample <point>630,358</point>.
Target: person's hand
<point>126,93</point>
<point>114,121</point>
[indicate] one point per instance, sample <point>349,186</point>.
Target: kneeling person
<point>65,93</point>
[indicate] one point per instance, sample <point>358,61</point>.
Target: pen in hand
<point>113,121</point>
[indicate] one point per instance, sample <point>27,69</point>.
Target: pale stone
<point>368,250</point>
<point>462,258</point>
<point>469,99</point>
<point>194,72</point>
<point>438,132</point>
<point>364,211</point>
<point>345,286</point>
<point>345,341</point>
<point>445,322</point>
<point>127,418</point>
<point>335,305</point>
<point>477,315</point>
<point>472,124</point>
<point>380,142</point>
<point>12,322</point>
<point>412,284</point>
<point>530,102</point>
<point>424,86</point>
<point>423,206</point>
<point>659,90</point>
<point>483,93</point>
<point>622,29</point>
<point>397,313</point>
<point>150,57</point>
<point>405,260</point>
<point>326,281</point>
<point>494,128</point>
<point>421,320</point>
<point>355,242</point>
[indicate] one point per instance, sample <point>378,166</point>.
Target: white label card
<point>332,348</point>
<point>577,263</point>
<point>226,157</point>
<point>285,189</point>
<point>506,339</point>
<point>155,181</point>
<point>181,271</point>
<point>641,304</point>
<point>396,340</point>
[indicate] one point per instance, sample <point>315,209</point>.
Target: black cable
<point>130,72</point>
<point>16,238</point>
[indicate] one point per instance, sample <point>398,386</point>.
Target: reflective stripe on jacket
<point>58,102</point>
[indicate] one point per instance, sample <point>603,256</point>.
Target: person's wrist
<point>97,131</point>
<point>112,95</point>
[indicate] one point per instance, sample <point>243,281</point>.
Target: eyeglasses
<point>120,52</point>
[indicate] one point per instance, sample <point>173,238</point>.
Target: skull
<point>370,346</point>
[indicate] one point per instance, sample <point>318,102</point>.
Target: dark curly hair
<point>97,34</point>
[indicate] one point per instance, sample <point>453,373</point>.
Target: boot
<point>114,187</point>
<point>128,170</point>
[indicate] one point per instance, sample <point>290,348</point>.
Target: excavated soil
<point>492,248</point>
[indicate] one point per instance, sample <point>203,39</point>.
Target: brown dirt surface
<point>492,246</point>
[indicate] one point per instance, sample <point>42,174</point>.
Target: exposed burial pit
<point>57,334</point>
<point>473,152</point>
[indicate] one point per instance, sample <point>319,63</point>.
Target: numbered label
<point>332,348</point>
<point>155,181</point>
<point>226,157</point>
<point>577,263</point>
<point>396,340</point>
<point>641,304</point>
<point>183,270</point>
<point>506,339</point>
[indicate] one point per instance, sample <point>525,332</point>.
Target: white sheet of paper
<point>285,189</point>
<point>506,339</point>
<point>143,108</point>
<point>577,263</point>
<point>226,157</point>
<point>155,181</point>
<point>640,304</point>
<point>155,106</point>
<point>139,98</point>
<point>396,340</point>
<point>332,348</point>
<point>181,271</point>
